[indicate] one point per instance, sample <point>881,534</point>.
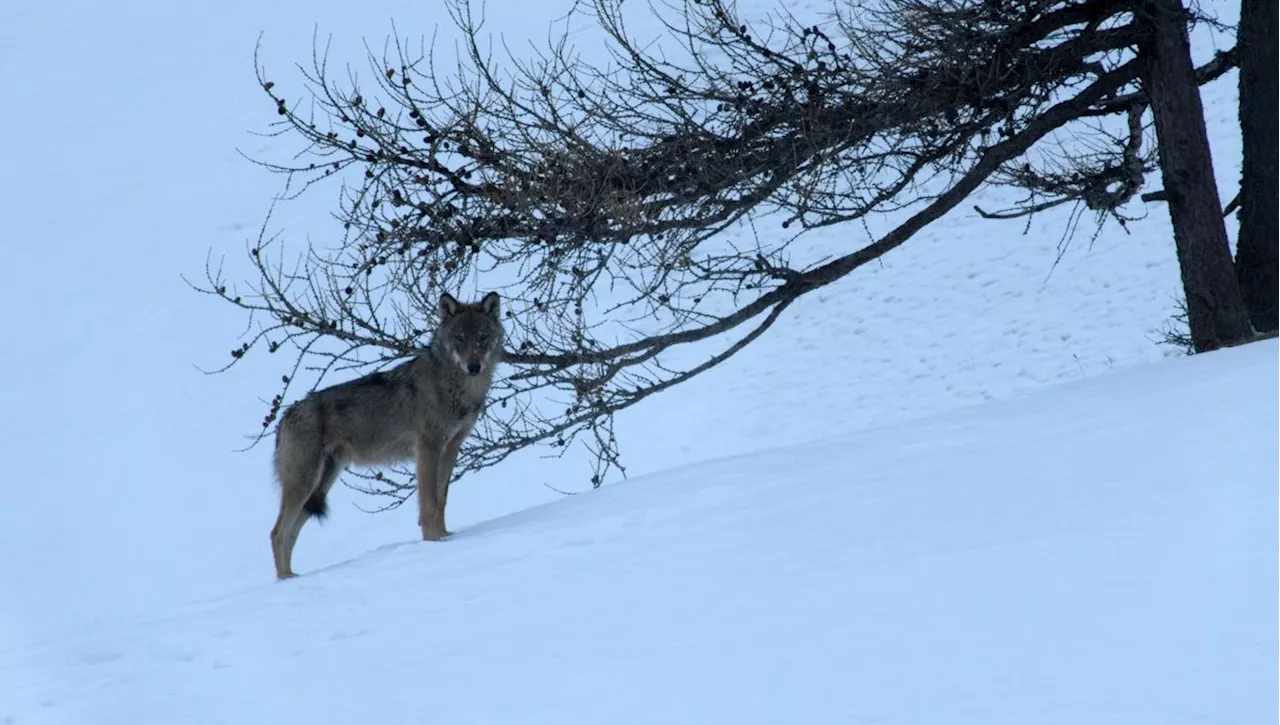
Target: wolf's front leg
<point>448,459</point>
<point>430,513</point>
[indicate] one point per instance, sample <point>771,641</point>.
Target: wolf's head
<point>470,335</point>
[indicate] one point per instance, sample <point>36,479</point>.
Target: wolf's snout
<point>473,368</point>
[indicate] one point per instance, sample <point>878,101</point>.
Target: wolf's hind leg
<point>301,461</point>
<point>288,524</point>
<point>312,506</point>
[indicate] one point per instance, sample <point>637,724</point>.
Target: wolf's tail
<point>316,504</point>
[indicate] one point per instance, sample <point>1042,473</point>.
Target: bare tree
<point>1256,259</point>
<point>597,196</point>
<point>1213,308</point>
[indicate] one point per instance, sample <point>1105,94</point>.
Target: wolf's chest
<point>450,414</point>
<point>463,411</point>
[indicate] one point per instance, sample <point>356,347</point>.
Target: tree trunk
<point>1215,310</point>
<point>1256,260</point>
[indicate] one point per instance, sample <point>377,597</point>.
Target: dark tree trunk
<point>1215,310</point>
<point>1259,226</point>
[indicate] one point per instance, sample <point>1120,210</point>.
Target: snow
<point>961,485</point>
<point>1077,555</point>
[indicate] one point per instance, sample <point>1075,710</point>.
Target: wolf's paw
<point>436,535</point>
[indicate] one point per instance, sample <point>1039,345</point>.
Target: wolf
<point>422,409</point>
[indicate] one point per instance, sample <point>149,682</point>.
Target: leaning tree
<point>601,198</point>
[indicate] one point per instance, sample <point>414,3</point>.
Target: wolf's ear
<point>490,305</point>
<point>448,306</point>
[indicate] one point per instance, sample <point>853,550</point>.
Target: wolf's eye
<point>483,339</point>
<point>459,338</point>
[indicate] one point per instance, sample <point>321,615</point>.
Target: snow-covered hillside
<point>878,539</point>
<point>1101,552</point>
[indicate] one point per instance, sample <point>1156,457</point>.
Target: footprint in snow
<point>341,635</point>
<point>101,657</point>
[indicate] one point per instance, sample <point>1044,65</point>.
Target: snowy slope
<point>1075,556</point>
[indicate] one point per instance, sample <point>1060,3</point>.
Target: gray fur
<point>421,409</point>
